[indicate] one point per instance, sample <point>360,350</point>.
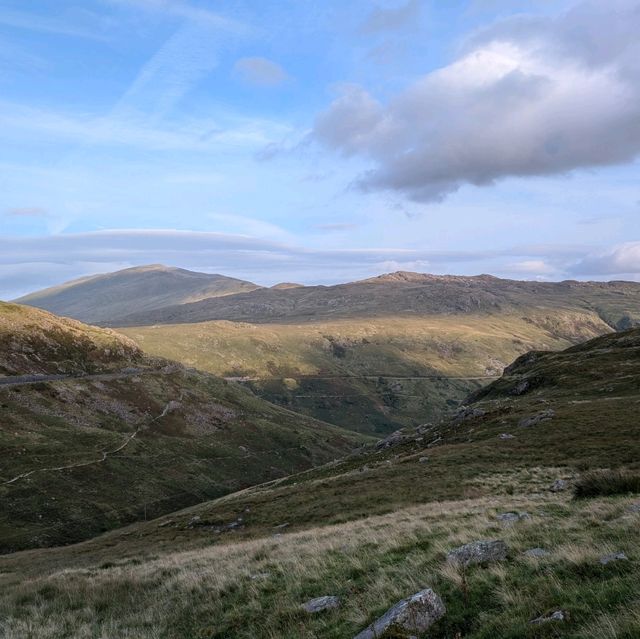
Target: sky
<point>319,141</point>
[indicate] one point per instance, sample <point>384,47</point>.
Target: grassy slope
<point>354,372</point>
<point>375,527</point>
<point>199,436</point>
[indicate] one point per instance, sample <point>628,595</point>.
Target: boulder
<point>478,552</point>
<point>558,486</point>
<point>423,460</point>
<point>320,604</point>
<point>558,615</point>
<point>536,553</point>
<point>614,556</point>
<point>409,617</point>
<point>510,518</point>
<point>534,420</point>
<point>465,413</point>
<point>506,436</point>
<point>634,508</point>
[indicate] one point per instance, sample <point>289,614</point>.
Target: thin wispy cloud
<point>260,72</point>
<point>27,211</point>
<point>54,26</point>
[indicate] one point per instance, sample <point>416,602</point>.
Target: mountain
<point>377,526</point>
<point>402,294</point>
<point>141,289</point>
<point>95,434</point>
<point>386,352</point>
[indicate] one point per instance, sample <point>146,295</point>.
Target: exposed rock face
<point>396,438</point>
<point>320,604</point>
<point>408,617</point>
<point>534,420</point>
<point>478,552</point>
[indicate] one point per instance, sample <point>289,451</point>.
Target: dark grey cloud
<point>383,19</point>
<point>529,96</point>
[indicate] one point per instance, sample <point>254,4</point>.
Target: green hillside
<point>112,443</point>
<point>376,527</point>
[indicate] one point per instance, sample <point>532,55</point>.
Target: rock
<point>281,526</point>
<point>510,518</point>
<point>478,552</point>
<point>634,508</point>
<point>320,604</point>
<point>411,616</point>
<point>536,553</point>
<point>395,439</point>
<point>194,521</point>
<point>506,436</point>
<point>521,388</point>
<point>423,460</point>
<point>614,556</point>
<point>465,413</point>
<point>558,615</point>
<point>534,420</point>
<point>558,486</point>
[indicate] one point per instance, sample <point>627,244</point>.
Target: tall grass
<point>605,483</point>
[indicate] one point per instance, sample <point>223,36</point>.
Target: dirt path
<point>105,453</point>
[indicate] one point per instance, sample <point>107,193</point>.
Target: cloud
<point>27,211</point>
<point>339,227</point>
<point>29,262</point>
<point>623,259</point>
<point>260,72</point>
<point>529,96</point>
<point>33,22</point>
<point>393,19</point>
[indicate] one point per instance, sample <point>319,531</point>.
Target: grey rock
<point>536,553</point>
<point>411,616</point>
<point>423,460</point>
<point>510,518</point>
<point>534,420</point>
<point>634,508</point>
<point>281,526</point>
<point>320,604</point>
<point>478,552</point>
<point>558,486</point>
<point>521,388</point>
<point>395,439</point>
<point>558,615</point>
<point>465,413</point>
<point>506,436</point>
<point>614,556</point>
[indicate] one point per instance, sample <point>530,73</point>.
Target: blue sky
<point>319,141</point>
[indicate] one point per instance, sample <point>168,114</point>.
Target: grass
<point>607,482</point>
<point>372,375</point>
<point>254,589</point>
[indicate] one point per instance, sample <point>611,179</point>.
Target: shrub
<point>606,482</point>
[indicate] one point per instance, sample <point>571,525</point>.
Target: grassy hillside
<point>369,375</point>
<point>376,527</point>
<point>99,298</point>
<point>81,455</point>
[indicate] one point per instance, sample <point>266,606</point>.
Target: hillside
<point>99,298</point>
<point>104,435</point>
<point>403,294</point>
<point>377,526</point>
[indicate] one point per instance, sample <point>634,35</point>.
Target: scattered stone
<point>478,552</point>
<point>634,508</point>
<point>259,576</point>
<point>534,420</point>
<point>614,556</point>
<point>411,616</point>
<point>506,436</point>
<point>558,615</point>
<point>510,518</point>
<point>558,486</point>
<point>395,439</point>
<point>194,521</point>
<point>320,604</point>
<point>465,413</point>
<point>423,460</point>
<point>536,553</point>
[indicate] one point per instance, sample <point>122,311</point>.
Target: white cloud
<point>623,259</point>
<point>260,72</point>
<point>530,96</point>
